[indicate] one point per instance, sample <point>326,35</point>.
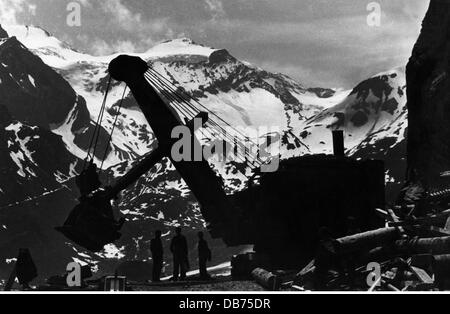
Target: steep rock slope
<point>35,165</point>
<point>428,97</point>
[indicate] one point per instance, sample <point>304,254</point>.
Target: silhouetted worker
<point>156,247</point>
<point>353,227</point>
<point>179,249</point>
<point>26,270</point>
<point>325,259</point>
<point>204,256</point>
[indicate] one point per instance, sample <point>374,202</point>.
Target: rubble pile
<point>409,254</point>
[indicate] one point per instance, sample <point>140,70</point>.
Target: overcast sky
<point>324,43</point>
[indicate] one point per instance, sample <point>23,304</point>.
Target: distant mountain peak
<point>180,46</point>
<point>35,37</point>
<point>184,40</point>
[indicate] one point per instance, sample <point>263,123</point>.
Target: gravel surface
<point>214,285</point>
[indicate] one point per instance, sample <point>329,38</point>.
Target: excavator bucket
<point>90,227</point>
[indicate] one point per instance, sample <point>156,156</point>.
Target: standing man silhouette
<point>156,247</point>
<point>179,249</point>
<point>204,256</point>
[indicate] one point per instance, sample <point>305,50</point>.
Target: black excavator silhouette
<point>281,215</point>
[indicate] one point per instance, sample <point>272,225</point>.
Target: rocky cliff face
<point>3,33</point>
<point>32,91</point>
<point>428,95</point>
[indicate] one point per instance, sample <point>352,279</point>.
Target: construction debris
<point>266,279</point>
<point>409,254</point>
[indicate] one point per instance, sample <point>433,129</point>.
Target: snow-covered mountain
<point>34,98</point>
<point>374,117</point>
<point>240,93</point>
<point>53,97</point>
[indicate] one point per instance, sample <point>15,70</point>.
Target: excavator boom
<point>91,224</point>
<point>206,186</point>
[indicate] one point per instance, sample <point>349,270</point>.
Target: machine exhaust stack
<point>338,143</point>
